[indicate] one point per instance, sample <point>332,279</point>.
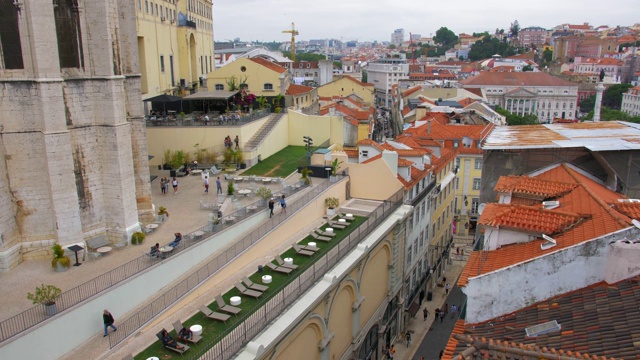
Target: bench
<point>95,243</point>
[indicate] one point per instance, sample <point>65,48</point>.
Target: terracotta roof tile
<point>525,186</point>
<point>527,218</point>
<point>269,65</point>
<point>528,78</point>
<point>631,209</point>
<point>597,321</point>
<point>295,89</point>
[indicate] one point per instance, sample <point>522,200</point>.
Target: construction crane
<point>293,33</point>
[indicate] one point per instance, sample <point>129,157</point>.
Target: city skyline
<point>264,20</point>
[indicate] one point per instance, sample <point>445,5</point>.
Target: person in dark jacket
<point>108,322</point>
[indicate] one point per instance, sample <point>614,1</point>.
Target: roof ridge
<point>617,216</point>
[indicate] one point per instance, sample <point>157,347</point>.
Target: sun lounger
<point>177,326</point>
<point>213,315</point>
<point>283,264</point>
<point>301,251</point>
<point>253,286</point>
<point>324,233</point>
<point>336,225</point>
<point>226,308</point>
<point>280,269</point>
<point>180,351</point>
<point>318,237</point>
<point>244,291</point>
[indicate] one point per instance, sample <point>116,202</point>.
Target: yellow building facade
<point>442,213</point>
<point>345,86</point>
<point>175,45</point>
<point>467,196</point>
<point>258,76</point>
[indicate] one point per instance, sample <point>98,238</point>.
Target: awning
<point>413,309</point>
<point>447,179</point>
<point>207,95</point>
<point>163,98</point>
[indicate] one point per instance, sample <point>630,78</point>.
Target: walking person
<point>446,288</point>
<point>174,183</point>
<point>166,185</point>
<point>442,315</point>
<point>237,141</point>
<point>219,185</point>
<point>437,315</point>
<point>425,313</point>
<point>108,322</point>
<point>408,338</point>
<point>163,182</point>
<point>271,206</point>
<point>206,185</point>
<point>283,204</point>
<point>454,309</point>
<point>392,352</point>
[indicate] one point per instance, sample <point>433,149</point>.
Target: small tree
<point>305,172</point>
<point>331,202</point>
<point>228,156</point>
<point>335,166</point>
<point>230,188</point>
<point>59,257</point>
<point>264,193</point>
<point>137,238</point>
<point>45,295</point>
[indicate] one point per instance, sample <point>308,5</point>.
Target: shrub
<point>45,294</point>
<point>331,202</point>
<point>137,238</point>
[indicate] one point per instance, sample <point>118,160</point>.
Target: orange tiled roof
<point>631,209</point>
<point>295,89</point>
<point>411,91</point>
<point>404,162</point>
<point>371,143</point>
<point>352,153</point>
<point>589,198</point>
<point>527,218</point>
<point>528,78</point>
<point>532,187</point>
<point>356,81</point>
<point>268,64</point>
<point>371,159</point>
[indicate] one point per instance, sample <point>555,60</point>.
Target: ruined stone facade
<point>73,151</point>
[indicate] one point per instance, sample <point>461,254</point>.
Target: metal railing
<point>35,315</point>
<point>214,120</point>
<point>131,324</point>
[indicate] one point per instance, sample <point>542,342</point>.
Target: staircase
<point>264,131</point>
<point>465,243</point>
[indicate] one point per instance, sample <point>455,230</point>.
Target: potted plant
<point>230,189</point>
<point>304,175</point>
<point>264,193</point>
<point>162,211</point>
<point>137,238</point>
<point>166,165</point>
<point>240,159</point>
<point>335,165</point>
<point>60,261</point>
<point>331,203</point>
<point>47,296</point>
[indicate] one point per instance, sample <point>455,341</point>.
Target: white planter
<point>333,178</point>
<point>331,212</point>
<point>61,268</point>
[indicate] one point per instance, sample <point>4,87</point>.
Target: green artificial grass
<point>280,164</point>
<point>212,328</point>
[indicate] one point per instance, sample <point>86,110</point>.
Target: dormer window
<point>364,153</point>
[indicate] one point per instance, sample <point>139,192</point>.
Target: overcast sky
<point>367,20</point>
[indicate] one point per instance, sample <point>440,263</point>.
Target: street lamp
<point>308,142</point>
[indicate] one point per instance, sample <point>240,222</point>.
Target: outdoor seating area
<point>198,118</point>
<point>221,315</point>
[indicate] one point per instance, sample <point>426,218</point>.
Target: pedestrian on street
<point>441,354</point>
<point>437,314</point>
<point>408,338</point>
<point>271,206</point>
<point>174,183</point>
<point>237,141</point>
<point>108,322</point>
<point>392,352</point>
<point>283,204</point>
<point>206,185</point>
<point>446,309</point>
<point>219,185</point>
<point>442,315</point>
<point>425,313</point>
<point>454,309</point>
<point>446,288</point>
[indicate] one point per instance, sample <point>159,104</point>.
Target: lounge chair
<point>280,269</point>
<point>284,264</point>
<point>213,315</point>
<point>226,308</point>
<point>344,216</point>
<point>214,170</point>
<point>318,237</point>
<point>244,291</point>
<point>336,225</point>
<point>253,286</point>
<point>311,248</point>
<point>177,326</point>
<point>180,351</point>
<point>324,233</point>
<point>301,251</point>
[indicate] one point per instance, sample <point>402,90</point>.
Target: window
<point>10,46</point>
<point>478,164</point>
<point>457,183</point>
<point>219,87</point>
<point>456,144</point>
<point>475,202</point>
<point>365,153</point>
<point>268,86</point>
<point>140,5</point>
<point>67,20</point>
<point>476,184</point>
<point>146,6</point>
<point>161,63</point>
<point>409,255</point>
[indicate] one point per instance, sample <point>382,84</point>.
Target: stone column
<point>598,105</point>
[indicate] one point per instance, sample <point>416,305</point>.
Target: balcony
<point>187,23</point>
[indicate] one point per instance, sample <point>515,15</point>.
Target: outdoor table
<point>237,179</point>
<point>266,279</point>
<point>151,226</point>
<point>312,244</point>
<point>342,220</point>
<point>244,192</point>
<point>196,172</point>
<point>198,234</point>
<point>288,261</point>
<point>104,249</point>
<point>229,219</point>
<point>166,249</point>
<point>196,329</point>
<point>348,216</point>
<point>75,249</point>
<point>235,300</point>
<point>265,180</point>
<point>330,230</point>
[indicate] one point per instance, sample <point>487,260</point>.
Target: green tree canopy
<point>445,37</point>
<point>514,29</point>
<point>547,55</point>
<point>613,95</point>
<point>488,46</point>
<point>608,114</point>
<point>513,119</point>
<point>392,46</point>
<point>527,68</point>
<point>305,56</point>
<point>587,104</point>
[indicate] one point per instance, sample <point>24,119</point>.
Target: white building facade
<point>384,73</point>
<point>631,101</point>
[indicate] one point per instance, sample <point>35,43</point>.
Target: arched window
<point>10,46</point>
<point>68,32</point>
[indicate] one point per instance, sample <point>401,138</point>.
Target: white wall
<point>507,290</point>
<point>66,331</point>
<point>496,237</point>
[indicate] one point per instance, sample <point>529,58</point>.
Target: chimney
<point>429,127</point>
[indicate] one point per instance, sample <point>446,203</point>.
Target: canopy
<point>210,95</point>
<point>163,98</point>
